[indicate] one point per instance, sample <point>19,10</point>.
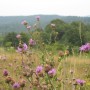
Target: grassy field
<point>68,69</point>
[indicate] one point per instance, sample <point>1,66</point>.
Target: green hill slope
<point>13,23</point>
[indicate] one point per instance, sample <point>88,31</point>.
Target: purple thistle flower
<point>16,85</point>
<point>18,36</point>
<point>28,27</point>
<point>32,42</point>
<point>23,48</point>
<point>82,48</point>
<point>24,22</point>
<point>39,69</point>
<point>5,72</point>
<point>52,72</point>
<point>80,82</point>
<point>38,18</point>
<point>88,46</point>
<point>85,48</point>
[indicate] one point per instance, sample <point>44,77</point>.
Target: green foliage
<point>45,37</point>
<point>24,37</point>
<point>65,38</point>
<point>70,34</point>
<point>56,46</point>
<point>58,32</point>
<point>10,39</point>
<point>1,40</point>
<point>10,24</point>
<point>8,44</point>
<point>87,36</point>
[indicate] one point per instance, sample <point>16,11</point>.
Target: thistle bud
<point>8,79</point>
<point>47,68</point>
<point>66,53</point>
<point>22,83</point>
<point>35,83</point>
<point>61,53</point>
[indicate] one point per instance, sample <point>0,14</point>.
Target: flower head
<point>80,82</point>
<point>18,36</point>
<point>66,52</point>
<point>38,18</point>
<point>52,72</point>
<point>28,27</point>
<point>5,72</point>
<point>32,42</point>
<point>24,22</point>
<point>16,85</point>
<point>47,68</point>
<point>39,69</point>
<point>22,48</point>
<point>61,53</point>
<point>88,46</point>
<point>8,79</point>
<point>22,83</point>
<point>85,48</point>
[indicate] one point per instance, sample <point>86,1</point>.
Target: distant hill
<point>13,23</point>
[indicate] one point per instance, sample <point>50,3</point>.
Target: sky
<point>47,7</point>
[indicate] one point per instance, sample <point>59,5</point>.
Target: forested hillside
<point>13,23</point>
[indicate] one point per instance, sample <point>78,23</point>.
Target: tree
<point>76,34</point>
<point>11,37</point>
<point>11,40</point>
<point>25,37</point>
<point>60,28</point>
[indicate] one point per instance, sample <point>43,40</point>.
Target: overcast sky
<point>32,7</point>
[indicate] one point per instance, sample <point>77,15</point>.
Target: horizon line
<point>44,15</point>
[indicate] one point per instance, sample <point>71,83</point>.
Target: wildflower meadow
<point>41,63</point>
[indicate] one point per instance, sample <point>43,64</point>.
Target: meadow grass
<point>12,61</point>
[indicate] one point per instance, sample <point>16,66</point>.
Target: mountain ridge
<point>13,23</point>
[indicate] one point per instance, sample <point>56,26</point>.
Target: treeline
<point>13,23</point>
<point>57,31</point>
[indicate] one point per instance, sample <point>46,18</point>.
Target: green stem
<point>73,87</point>
<point>22,58</point>
<point>9,87</point>
<point>22,88</point>
<point>29,80</point>
<point>53,88</point>
<point>80,33</point>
